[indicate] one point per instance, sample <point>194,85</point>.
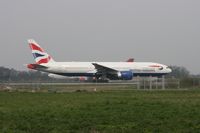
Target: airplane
<point>99,70</point>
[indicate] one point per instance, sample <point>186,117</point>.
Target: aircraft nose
<point>169,70</point>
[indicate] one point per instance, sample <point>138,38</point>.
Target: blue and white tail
<point>40,56</point>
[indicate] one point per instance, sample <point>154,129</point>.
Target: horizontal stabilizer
<point>36,66</point>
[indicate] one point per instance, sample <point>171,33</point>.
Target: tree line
<point>12,75</point>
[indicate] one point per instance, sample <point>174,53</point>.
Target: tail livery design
<point>40,56</point>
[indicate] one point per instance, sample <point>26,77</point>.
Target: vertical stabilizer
<point>40,56</point>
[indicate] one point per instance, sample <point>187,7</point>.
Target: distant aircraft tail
<point>130,60</point>
<point>39,54</point>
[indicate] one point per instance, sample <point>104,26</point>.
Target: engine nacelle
<point>125,75</point>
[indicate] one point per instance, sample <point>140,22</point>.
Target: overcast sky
<point>163,31</point>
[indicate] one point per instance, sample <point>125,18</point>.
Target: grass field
<point>100,112</point>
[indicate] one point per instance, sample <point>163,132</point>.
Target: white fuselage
<point>88,69</point>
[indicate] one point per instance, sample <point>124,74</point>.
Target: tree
<point>179,72</point>
<point>12,75</point>
<point>4,74</point>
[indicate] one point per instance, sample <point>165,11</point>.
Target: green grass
<point>96,112</point>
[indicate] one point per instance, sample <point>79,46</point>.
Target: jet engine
<point>125,75</point>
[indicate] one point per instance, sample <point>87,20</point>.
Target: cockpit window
<point>161,68</point>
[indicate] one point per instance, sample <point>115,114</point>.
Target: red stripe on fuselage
<point>35,47</point>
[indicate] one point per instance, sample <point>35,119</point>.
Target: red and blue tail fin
<point>40,56</point>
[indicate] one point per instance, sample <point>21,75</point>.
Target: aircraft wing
<point>103,69</point>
